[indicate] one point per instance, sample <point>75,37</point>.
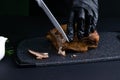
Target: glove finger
<point>81,13</point>
<point>88,24</point>
<point>92,25</point>
<point>70,26</point>
<point>80,23</point>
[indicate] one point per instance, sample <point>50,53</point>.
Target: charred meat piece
<point>82,45</point>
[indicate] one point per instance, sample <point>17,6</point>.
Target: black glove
<point>84,14</point>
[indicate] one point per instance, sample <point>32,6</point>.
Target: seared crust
<point>82,45</point>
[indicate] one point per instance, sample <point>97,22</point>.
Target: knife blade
<point>52,18</point>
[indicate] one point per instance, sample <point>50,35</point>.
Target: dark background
<point>22,19</point>
<point>61,7</point>
<point>30,8</point>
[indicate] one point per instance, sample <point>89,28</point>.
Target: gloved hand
<point>84,14</point>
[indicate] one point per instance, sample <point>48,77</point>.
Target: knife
<point>52,18</point>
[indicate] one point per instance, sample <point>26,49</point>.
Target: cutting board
<point>108,50</point>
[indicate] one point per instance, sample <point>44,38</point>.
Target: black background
<point>107,8</point>
<point>22,19</point>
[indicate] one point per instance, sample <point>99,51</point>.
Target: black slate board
<point>108,50</point>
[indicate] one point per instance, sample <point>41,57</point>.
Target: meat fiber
<point>83,45</point>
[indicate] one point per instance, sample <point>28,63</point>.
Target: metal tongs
<point>52,18</point>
